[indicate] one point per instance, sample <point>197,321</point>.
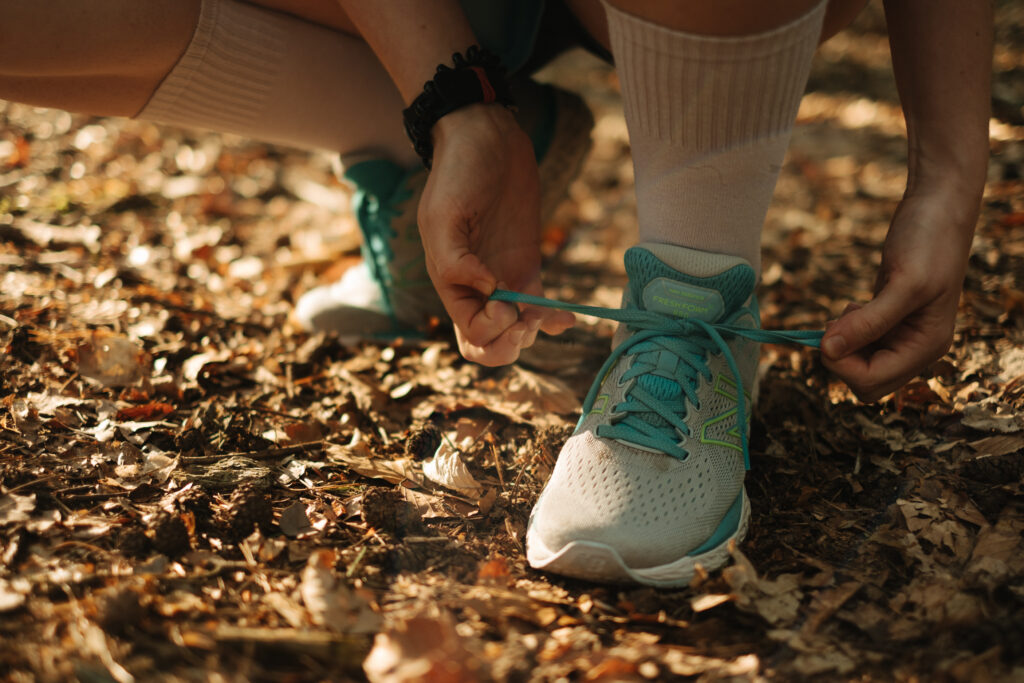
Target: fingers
<point>455,268</point>
<point>875,373</point>
<point>550,320</point>
<point>488,332</point>
<point>896,337</point>
<point>481,322</point>
<point>464,283</point>
<point>497,332</point>
<point>501,350</point>
<point>859,325</point>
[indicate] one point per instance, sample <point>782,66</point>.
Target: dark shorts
<point>527,34</point>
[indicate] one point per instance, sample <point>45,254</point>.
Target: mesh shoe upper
<point>657,459</point>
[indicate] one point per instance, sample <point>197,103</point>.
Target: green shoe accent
<point>381,186</point>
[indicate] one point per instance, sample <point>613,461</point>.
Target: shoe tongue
<point>684,283</point>
<point>687,283</point>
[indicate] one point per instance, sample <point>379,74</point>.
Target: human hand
<point>479,219</point>
<point>877,347</point>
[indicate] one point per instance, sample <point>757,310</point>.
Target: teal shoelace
<point>647,419</point>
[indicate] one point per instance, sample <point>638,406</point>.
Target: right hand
<point>877,347</point>
<point>479,219</point>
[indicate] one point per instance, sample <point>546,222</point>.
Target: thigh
<point>99,57</point>
<point>839,15</point>
<point>65,38</point>
<point>591,16</point>
<point>324,12</point>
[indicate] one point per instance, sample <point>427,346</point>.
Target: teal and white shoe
<point>390,293</point>
<point>651,482</point>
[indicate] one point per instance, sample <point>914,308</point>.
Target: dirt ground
<point>191,488</point>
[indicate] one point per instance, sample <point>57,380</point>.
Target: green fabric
<point>543,134</point>
<point>508,28</point>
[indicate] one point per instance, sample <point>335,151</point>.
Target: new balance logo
<point>725,386</point>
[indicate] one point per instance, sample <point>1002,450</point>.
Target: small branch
<point>268,454</point>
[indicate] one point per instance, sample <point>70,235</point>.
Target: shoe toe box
<point>649,509</point>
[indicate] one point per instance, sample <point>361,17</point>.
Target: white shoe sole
<point>599,562</point>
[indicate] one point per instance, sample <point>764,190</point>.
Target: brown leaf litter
<point>190,488</point>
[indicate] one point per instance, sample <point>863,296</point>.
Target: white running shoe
<point>651,482</point>
<point>390,292</point>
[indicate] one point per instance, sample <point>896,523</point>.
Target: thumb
<point>859,325</point>
<point>462,268</point>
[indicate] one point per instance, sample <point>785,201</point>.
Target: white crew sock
<point>709,120</point>
<point>269,76</point>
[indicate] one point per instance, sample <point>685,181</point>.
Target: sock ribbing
<point>699,91</point>
<point>226,74</point>
<point>273,77</point>
<point>709,120</point>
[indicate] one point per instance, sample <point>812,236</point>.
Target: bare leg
<point>224,65</point>
<point>711,19</point>
<point>101,57</point>
<point>323,12</point>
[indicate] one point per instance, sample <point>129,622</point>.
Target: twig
<point>92,497</point>
<point>80,544</point>
<point>342,648</point>
<point>519,475</point>
<point>497,466</point>
<point>355,564</point>
<point>269,454</point>
<point>31,483</point>
<point>188,310</point>
<point>268,411</point>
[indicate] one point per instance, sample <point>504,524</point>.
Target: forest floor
<point>191,488</point>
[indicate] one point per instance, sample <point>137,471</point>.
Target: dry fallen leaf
<point>448,469</point>
<point>112,360</point>
<point>330,602</point>
<point>422,649</point>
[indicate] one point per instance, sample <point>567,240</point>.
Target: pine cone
<point>170,535</point>
<point>197,501</point>
<point>385,510</point>
<point>120,612</point>
<point>189,441</point>
<point>423,441</point>
<point>248,508</point>
<point>133,542</point>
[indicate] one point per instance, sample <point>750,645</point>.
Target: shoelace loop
<point>689,339</point>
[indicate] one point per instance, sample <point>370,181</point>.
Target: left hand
<point>877,347</point>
